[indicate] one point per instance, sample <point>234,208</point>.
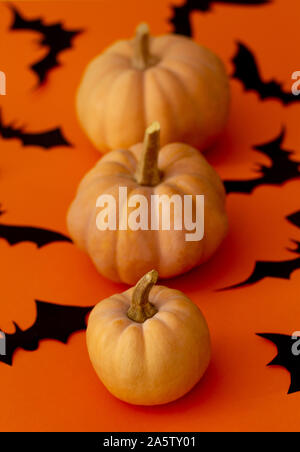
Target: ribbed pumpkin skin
<point>154,362</point>
<point>187,92</point>
<point>127,255</point>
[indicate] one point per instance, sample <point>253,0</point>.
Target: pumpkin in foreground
<point>145,169</point>
<point>149,345</point>
<point>169,78</point>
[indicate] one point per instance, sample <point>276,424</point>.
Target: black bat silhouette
<point>277,269</point>
<point>41,237</point>
<point>47,140</point>
<point>55,38</point>
<point>53,321</point>
<point>281,170</point>
<point>288,356</point>
<point>181,14</point>
<point>247,72</point>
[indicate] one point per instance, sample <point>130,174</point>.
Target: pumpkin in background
<point>170,79</point>
<point>126,255</point>
<point>148,345</point>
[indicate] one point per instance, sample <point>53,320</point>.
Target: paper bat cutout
<point>53,321</point>
<point>247,71</point>
<point>41,237</point>
<point>281,170</point>
<point>288,356</point>
<point>276,269</point>
<point>55,38</point>
<point>181,14</point>
<point>47,140</point>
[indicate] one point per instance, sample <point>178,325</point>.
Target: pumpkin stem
<point>141,309</point>
<point>147,172</point>
<point>142,58</point>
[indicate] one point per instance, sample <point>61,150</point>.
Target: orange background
<point>55,387</point>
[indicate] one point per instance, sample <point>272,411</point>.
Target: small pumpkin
<point>177,169</point>
<point>169,78</point>
<point>149,345</point>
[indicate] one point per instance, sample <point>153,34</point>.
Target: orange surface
<point>55,387</point>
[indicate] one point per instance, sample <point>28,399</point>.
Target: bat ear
<point>283,132</point>
<point>18,329</point>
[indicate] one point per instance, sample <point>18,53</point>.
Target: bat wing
<point>247,72</point>
<point>285,357</point>
<point>53,321</point>
<point>54,37</point>
<point>289,98</point>
<point>277,269</point>
<point>242,186</point>
<point>181,20</point>
<point>58,322</point>
<point>44,66</point>
<point>181,14</point>
<point>41,237</point>
<point>268,269</point>
<point>47,140</point>
<point>280,170</point>
<point>244,2</point>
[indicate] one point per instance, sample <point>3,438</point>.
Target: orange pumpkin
<point>126,255</point>
<point>170,79</point>
<point>148,345</point>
